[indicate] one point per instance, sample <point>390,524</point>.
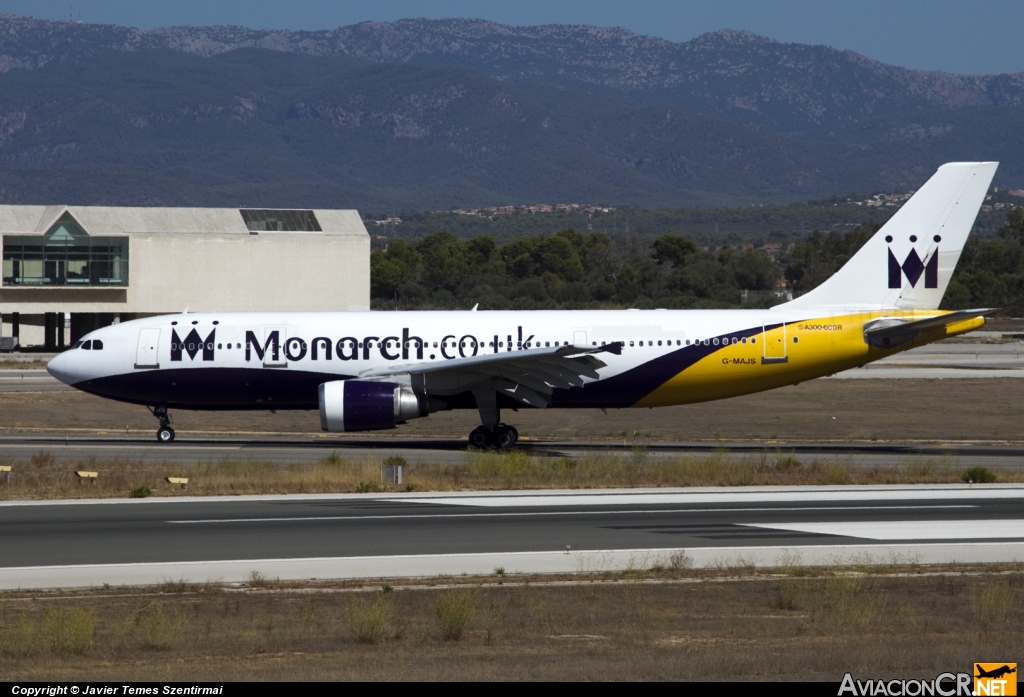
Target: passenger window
<point>87,345</point>
<point>659,343</point>
<point>97,345</point>
<point>630,343</point>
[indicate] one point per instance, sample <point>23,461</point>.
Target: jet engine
<point>365,405</point>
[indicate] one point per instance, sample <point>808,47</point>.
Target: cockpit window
<point>87,345</point>
<point>97,345</point>
<point>78,344</point>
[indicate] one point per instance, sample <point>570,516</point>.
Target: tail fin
<point>907,264</point>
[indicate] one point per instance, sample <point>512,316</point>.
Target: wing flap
<point>529,376</point>
<point>561,355</point>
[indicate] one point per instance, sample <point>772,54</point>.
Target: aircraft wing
<point>929,323</point>
<point>527,375</point>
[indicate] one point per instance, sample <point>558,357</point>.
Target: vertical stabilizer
<point>907,264</point>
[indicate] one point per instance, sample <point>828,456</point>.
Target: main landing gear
<point>164,434</point>
<point>493,433</point>
<point>497,436</point>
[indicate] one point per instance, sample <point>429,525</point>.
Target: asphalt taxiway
<point>291,448</point>
<point>84,543</point>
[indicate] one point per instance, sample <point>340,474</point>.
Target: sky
<point>958,36</point>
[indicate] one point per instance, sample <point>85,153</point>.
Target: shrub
<point>68,631</point>
<point>258,580</point>
<point>160,629</point>
<point>991,603</point>
<point>140,492</point>
<point>453,612</point>
<point>979,475</point>
<point>679,560</point>
<point>370,622</point>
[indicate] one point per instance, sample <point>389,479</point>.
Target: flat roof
<point>116,220</point>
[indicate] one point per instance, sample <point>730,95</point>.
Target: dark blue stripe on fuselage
<point>215,388</point>
<point>628,388</point>
<point>287,388</point>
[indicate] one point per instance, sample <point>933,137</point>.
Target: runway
<point>128,541</point>
<point>291,448</point>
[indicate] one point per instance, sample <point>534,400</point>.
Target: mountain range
<point>439,113</point>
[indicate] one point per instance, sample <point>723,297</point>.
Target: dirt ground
<point>884,410</point>
<point>661,624</point>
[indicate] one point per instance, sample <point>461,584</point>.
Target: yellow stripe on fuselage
<point>811,348</point>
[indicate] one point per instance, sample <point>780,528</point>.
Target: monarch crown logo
<point>913,267</point>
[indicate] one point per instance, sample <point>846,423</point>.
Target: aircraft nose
<point>60,367</point>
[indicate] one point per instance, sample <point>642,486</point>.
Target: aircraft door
<point>579,337</point>
<point>146,352</point>
<point>274,339</point>
<point>773,341</point>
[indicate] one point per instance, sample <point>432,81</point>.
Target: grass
<point>9,364</point>
<point>60,631</point>
<point>453,612</point>
<point>978,475</point>
<point>709,624</point>
<point>43,476</point>
<point>992,603</point>
<point>370,620</point>
<point>159,628</point>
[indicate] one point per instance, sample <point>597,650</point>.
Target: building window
<point>65,256</point>
<point>263,220</point>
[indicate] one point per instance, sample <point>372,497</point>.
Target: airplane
<point>365,371</point>
<point>995,672</point>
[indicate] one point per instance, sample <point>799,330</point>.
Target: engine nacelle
<point>365,405</point>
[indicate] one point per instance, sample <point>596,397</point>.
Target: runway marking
<point>761,496</point>
<point>908,530</point>
<point>558,552</point>
<point>550,513</point>
<point>703,495</point>
<point>119,445</point>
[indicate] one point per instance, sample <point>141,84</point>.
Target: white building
<point>80,267</point>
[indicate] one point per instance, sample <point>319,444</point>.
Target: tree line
<point>571,270</point>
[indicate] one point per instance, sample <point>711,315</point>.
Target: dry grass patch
<point>43,476</point>
<point>692,625</point>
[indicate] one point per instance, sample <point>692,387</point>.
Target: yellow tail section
<point>792,353</point>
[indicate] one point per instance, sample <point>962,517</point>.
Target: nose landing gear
<point>164,434</point>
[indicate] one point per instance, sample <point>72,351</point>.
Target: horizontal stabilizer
<point>932,322</point>
<point>888,332</point>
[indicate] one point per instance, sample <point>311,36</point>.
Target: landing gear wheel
<point>480,437</point>
<point>505,437</point>
<point>165,434</point>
